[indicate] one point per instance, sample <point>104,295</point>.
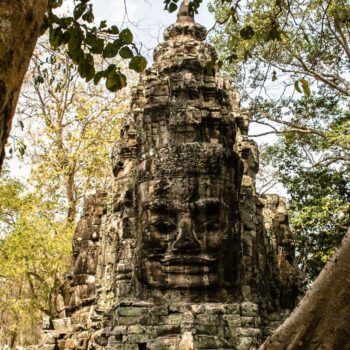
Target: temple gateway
<point>182,253</point>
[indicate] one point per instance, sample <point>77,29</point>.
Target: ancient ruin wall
<point>182,254</point>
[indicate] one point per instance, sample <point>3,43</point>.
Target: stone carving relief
<point>183,253</point>
<point>187,236</point>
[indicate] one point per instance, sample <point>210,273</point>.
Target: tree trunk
<point>13,339</point>
<point>71,193</point>
<point>321,321</point>
<point>20,24</point>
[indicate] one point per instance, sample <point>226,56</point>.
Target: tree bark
<point>20,27</point>
<point>321,321</point>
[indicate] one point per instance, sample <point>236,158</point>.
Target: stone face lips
<point>182,254</point>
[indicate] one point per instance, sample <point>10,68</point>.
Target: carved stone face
<point>185,232</point>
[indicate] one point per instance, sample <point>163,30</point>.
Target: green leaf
<point>126,36</point>
<point>55,37</point>
<point>172,7</point>
<point>274,76</point>
<point>103,24</point>
<point>126,53</point>
<point>76,37</point>
<point>90,38</point>
<point>113,30</point>
<point>98,47</point>
<point>306,87</point>
<point>98,76</point>
<point>247,54</point>
<point>56,3</point>
<point>86,67</point>
<point>274,33</point>
<point>79,10</point>
<point>77,55</point>
<point>111,49</point>
<point>108,70</point>
<point>65,37</point>
<point>138,64</point>
<point>38,80</point>
<point>122,80</point>
<point>96,44</point>
<point>296,86</point>
<point>65,22</point>
<point>247,32</point>
<point>232,57</point>
<point>115,81</point>
<point>88,15</point>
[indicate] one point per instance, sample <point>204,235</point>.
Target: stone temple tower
<point>183,253</point>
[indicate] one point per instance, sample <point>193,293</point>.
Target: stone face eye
<point>212,225</point>
<point>163,226</point>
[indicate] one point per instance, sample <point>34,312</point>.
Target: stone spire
<point>182,253</point>
<point>184,14</point>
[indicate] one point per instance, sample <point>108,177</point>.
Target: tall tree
<point>21,23</point>
<point>295,87</point>
<point>35,246</point>
<point>69,129</point>
<point>313,168</point>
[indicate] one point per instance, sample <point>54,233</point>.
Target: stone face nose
<point>186,240</point>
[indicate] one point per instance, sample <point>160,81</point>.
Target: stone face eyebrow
<point>159,206</point>
<point>210,202</point>
<point>211,206</point>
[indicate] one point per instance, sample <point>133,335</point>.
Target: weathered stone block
<point>49,347</point>
<point>120,346</point>
<point>128,320</point>
<point>208,319</point>
<point>249,309</point>
<point>131,311</point>
<point>210,342</point>
<point>233,320</point>
<point>248,344</point>
<point>233,309</point>
<point>136,329</point>
<point>49,338</point>
<point>248,321</point>
<point>165,343</point>
<point>62,325</point>
<point>119,330</point>
<point>173,319</point>
<point>215,308</point>
<point>249,332</point>
<point>135,338</point>
<point>164,330</point>
<point>159,310</point>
